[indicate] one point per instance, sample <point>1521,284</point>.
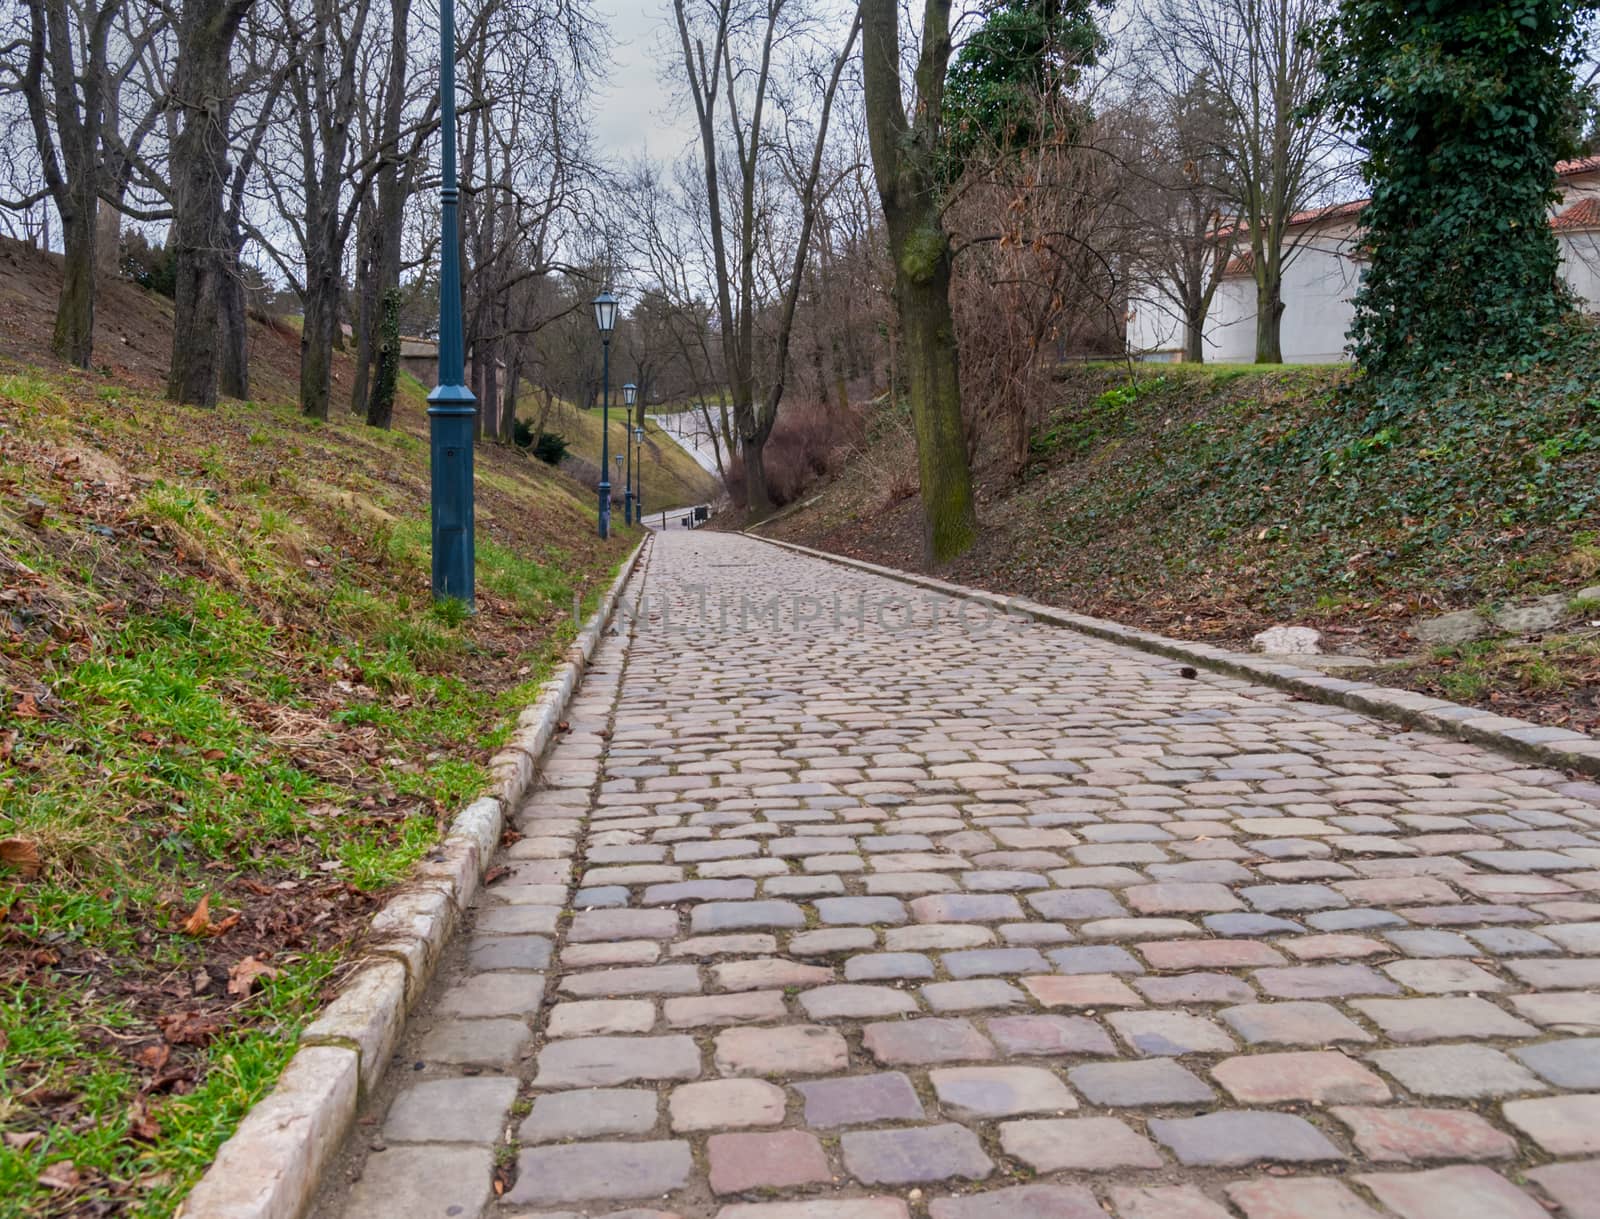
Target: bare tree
<point>1255,64</point>
<point>70,65</point>
<point>1042,243</point>
<point>728,49</point>
<point>1186,235</point>
<point>905,156</point>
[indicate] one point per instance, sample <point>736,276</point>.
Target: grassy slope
<point>223,684</point>
<point>671,478</point>
<point>1212,502</point>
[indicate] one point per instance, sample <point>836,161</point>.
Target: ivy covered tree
<point>1024,51</point>
<point>1463,109</point>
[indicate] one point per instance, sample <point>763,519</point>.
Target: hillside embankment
<point>231,719</point>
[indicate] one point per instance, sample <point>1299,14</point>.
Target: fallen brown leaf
<point>19,1140</point>
<point>188,1028</point>
<point>242,977</point>
<point>140,1124</point>
<point>27,707</point>
<point>199,923</point>
<point>154,1056</point>
<point>63,1175</point>
<point>22,855</point>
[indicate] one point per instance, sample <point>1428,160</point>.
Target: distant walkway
<point>688,429</point>
<point>840,901</point>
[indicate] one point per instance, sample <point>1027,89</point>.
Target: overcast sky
<point>634,112</point>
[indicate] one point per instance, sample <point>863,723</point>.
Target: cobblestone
<point>819,921</point>
<point>914,1154</point>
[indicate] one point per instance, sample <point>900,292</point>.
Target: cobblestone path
<point>988,920</point>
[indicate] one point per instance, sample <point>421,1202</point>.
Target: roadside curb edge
<point>1558,748</point>
<point>273,1164</point>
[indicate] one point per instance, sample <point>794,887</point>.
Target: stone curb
<point>273,1164</point>
<point>1558,748</point>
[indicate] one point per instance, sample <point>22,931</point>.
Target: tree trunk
<point>108,240</point>
<point>544,413</point>
<point>206,30</point>
<point>74,333</point>
<point>758,500</point>
<point>192,378</point>
<point>928,349</point>
<point>392,189</point>
<point>488,408</point>
<point>1269,319</point>
<point>337,333</point>
<point>905,162</point>
<point>380,407</point>
<point>233,365</point>
<point>1194,332</point>
<point>508,402</point>
<point>316,344</point>
<point>366,314</point>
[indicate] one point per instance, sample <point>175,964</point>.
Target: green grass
<point>242,683</point>
<point>1471,672</point>
<point>670,477</point>
<point>43,1033</point>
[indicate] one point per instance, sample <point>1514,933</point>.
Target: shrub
<point>806,445</point>
<point>154,268</point>
<point>550,448</point>
<point>547,446</point>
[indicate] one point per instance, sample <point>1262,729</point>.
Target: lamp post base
<point>627,508</point>
<point>605,510</point>
<point>451,411</point>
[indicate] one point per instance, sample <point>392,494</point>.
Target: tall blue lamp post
<point>638,495</point>
<point>451,406</point>
<point>630,395</point>
<point>605,321</point>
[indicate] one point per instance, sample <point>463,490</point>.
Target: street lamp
<point>605,321</point>
<point>630,395</point>
<point>638,495</point>
<point>451,406</point>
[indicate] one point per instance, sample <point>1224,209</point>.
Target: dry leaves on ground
<point>22,855</point>
<point>242,977</point>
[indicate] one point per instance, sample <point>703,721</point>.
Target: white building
<point>1321,278</point>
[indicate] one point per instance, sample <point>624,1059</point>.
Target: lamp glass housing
<point>605,314</point>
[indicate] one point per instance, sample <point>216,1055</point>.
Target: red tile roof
<point>1580,217</point>
<point>1353,207</point>
<point>1584,214</point>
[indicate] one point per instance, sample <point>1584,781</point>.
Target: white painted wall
<point>1580,266</point>
<point>1231,324</point>
<point>1318,286</point>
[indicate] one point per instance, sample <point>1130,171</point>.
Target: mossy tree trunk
<point>905,160</point>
